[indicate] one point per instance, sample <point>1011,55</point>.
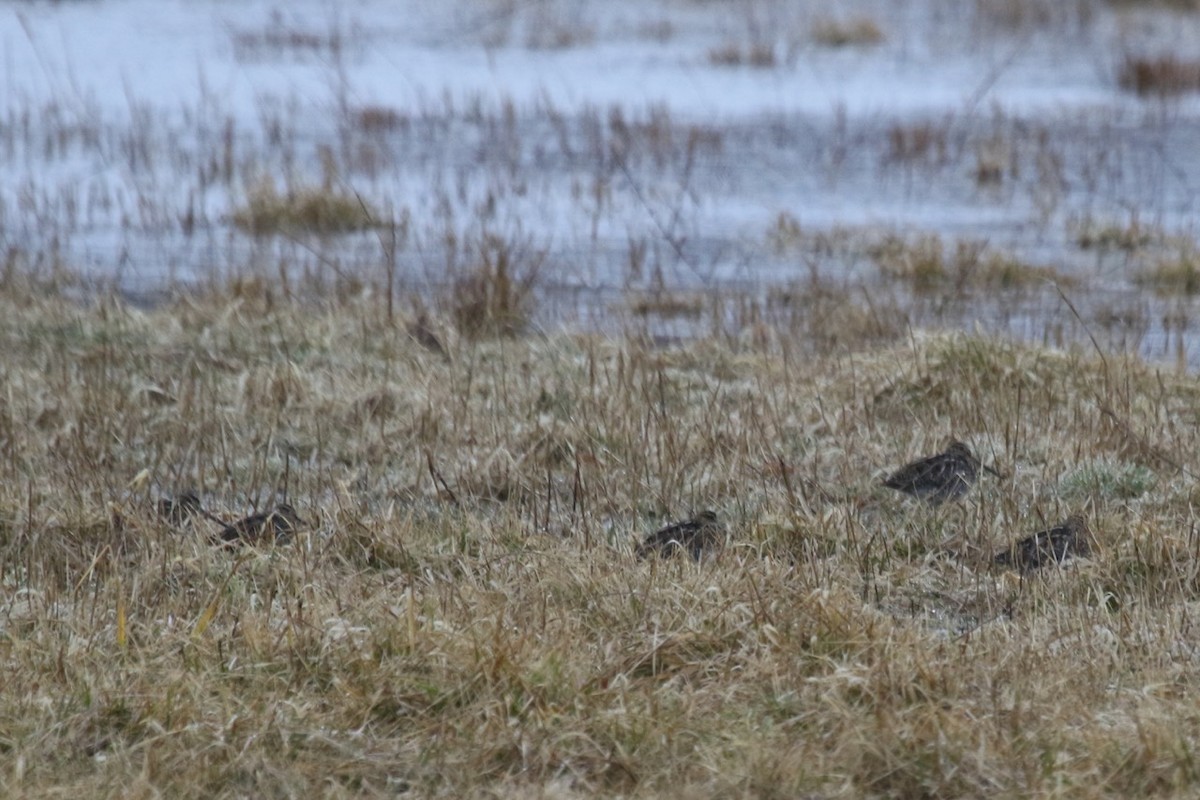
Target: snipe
<point>275,526</point>
<point>1053,545</point>
<point>180,510</point>
<point>698,535</point>
<point>946,476</point>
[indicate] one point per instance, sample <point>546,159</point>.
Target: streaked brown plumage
<point>275,526</point>
<point>702,533</point>
<point>422,333</point>
<point>946,476</point>
<point>1053,545</point>
<point>180,510</point>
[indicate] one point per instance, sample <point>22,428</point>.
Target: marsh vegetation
<point>464,614</point>
<point>335,412</point>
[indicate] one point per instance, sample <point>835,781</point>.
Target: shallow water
<point>604,143</point>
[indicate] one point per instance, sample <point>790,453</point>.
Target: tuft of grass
<point>1182,5</point>
<point>923,142</point>
<point>1091,234</point>
<point>1108,481</point>
<point>302,209</point>
<point>1025,15</point>
<point>666,304</point>
<point>921,263</point>
<point>550,28</point>
<point>994,159</point>
<point>374,119</point>
<point>998,270</point>
<point>760,55</point>
<point>494,294</point>
<point>280,36</point>
<point>1178,275</point>
<point>785,234</point>
<point>856,31</point>
<point>1159,75</point>
<point>928,264</point>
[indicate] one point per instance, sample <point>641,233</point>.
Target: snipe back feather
<point>698,535</point>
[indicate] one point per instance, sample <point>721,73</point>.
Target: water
<point>603,145</point>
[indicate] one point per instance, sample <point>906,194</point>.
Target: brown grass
<point>1160,75</point>
<point>465,616</point>
<point>760,55</point>
<point>493,295</point>
<point>1176,275</point>
<point>280,37</point>
<point>666,304</point>
<point>374,119</point>
<point>1129,236</point>
<point>855,31</point>
<point>922,142</point>
<point>303,209</point>
<point>928,264</point>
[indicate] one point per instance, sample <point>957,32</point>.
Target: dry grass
<point>280,36</point>
<point>302,209</point>
<point>493,295</point>
<point>1131,236</point>
<point>376,119</point>
<point>465,616</point>
<point>1177,275</point>
<point>1161,75</point>
<point>927,264</point>
<point>760,55</point>
<point>665,304</point>
<point>1062,16</point>
<point>856,31</point>
<point>922,142</point>
<point>1182,5</point>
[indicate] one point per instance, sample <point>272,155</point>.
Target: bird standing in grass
<point>275,526</point>
<point>946,476</point>
<point>181,510</point>
<point>421,331</point>
<point>1055,545</point>
<point>697,535</point>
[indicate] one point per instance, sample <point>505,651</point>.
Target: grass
<point>855,31</point>
<point>921,142</point>
<point>666,304</point>
<point>1159,75</point>
<point>279,37</point>
<point>1130,237</point>
<point>465,616</point>
<point>1127,481</point>
<point>303,209</point>
<point>1176,275</point>
<point>760,55</point>
<point>493,295</point>
<point>927,265</point>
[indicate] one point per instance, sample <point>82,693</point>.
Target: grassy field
<point>464,616</point>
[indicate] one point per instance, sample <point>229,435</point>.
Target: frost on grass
<point>464,614</point>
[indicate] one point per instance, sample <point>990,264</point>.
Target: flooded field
<point>312,486</point>
<point>1026,167</point>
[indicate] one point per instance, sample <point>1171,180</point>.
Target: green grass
<point>1111,481</point>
